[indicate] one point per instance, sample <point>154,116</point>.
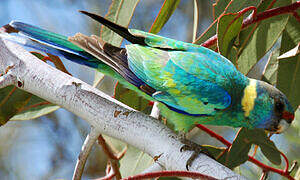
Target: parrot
<point>193,84</point>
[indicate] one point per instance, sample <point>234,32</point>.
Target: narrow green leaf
<point>164,14</point>
<point>116,145</point>
<point>214,151</point>
<point>291,53</point>
<point>235,6</point>
<point>16,104</point>
<point>196,16</point>
<point>265,65</point>
<point>268,148</point>
<point>229,26</point>
<point>12,100</point>
<point>270,74</point>
<point>288,77</point>
<point>257,40</point>
<point>132,99</point>
<point>134,162</point>
<point>120,12</point>
<point>219,9</point>
<point>238,153</point>
<point>36,107</point>
<point>208,33</point>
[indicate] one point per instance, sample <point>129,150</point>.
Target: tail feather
<point>80,48</point>
<point>48,42</point>
<point>46,37</point>
<point>122,31</point>
<point>110,55</point>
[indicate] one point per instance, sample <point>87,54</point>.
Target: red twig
<point>169,174</point>
<point>34,105</point>
<point>272,12</point>
<point>296,15</point>
<point>290,9</point>
<point>109,173</point>
<point>215,20</point>
<point>113,160</point>
<point>157,16</point>
<point>264,167</point>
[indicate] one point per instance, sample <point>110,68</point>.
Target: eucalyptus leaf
<point>219,9</point>
<point>238,153</point>
<point>165,13</point>
<point>120,12</point>
<point>235,6</point>
<point>288,77</point>
<point>270,74</point>
<point>132,99</point>
<point>16,104</point>
<point>12,100</point>
<point>134,162</point>
<point>258,39</point>
<point>229,26</point>
<point>36,107</point>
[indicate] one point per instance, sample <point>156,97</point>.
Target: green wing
<point>185,81</point>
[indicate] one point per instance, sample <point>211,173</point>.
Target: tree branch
<point>99,110</point>
<point>89,141</point>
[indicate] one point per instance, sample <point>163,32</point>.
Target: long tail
<point>49,42</point>
<point>80,48</point>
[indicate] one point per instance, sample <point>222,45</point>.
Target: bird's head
<point>268,106</point>
<point>271,108</point>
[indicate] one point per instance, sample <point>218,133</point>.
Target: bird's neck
<point>249,96</point>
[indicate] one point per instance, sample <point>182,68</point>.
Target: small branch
<point>112,158</point>
<point>110,173</point>
<point>84,153</point>
<point>290,9</point>
<point>170,174</point>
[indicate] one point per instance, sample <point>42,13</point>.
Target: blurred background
<point>47,147</point>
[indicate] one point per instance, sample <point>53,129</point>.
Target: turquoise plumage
<point>194,84</point>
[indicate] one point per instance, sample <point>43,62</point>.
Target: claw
<point>196,148</point>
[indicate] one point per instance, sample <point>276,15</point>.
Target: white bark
<point>104,113</point>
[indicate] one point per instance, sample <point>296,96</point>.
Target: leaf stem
<point>113,159</point>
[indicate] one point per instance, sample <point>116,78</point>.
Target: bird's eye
<point>279,106</point>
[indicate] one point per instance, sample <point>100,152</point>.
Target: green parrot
<point>193,84</point>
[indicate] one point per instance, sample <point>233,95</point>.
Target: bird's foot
<point>191,146</point>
